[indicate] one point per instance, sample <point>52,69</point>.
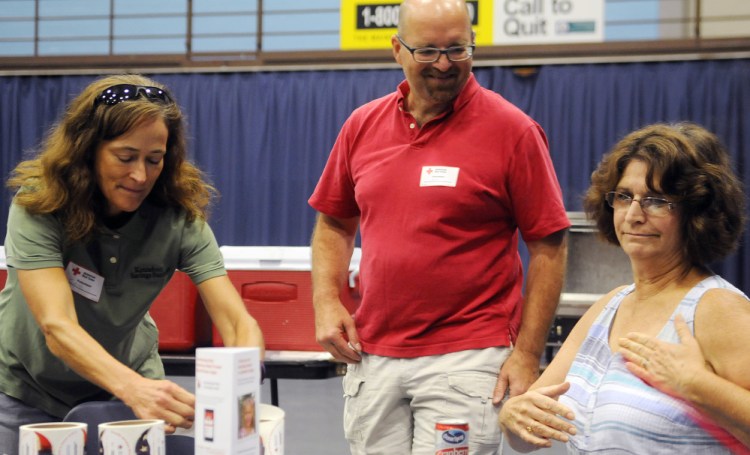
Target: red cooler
<point>180,316</point>
<point>276,286</point>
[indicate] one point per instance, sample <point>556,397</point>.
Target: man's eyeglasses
<point>124,92</point>
<point>652,206</point>
<point>432,54</point>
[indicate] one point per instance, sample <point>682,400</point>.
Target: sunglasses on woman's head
<point>124,92</point>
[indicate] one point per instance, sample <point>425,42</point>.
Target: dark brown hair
<point>689,165</point>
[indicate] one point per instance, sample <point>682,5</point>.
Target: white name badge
<point>438,176</point>
<point>84,282</point>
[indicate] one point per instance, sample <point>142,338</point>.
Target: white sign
<point>548,21</point>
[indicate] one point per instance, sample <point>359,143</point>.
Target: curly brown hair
<point>61,179</point>
<point>689,165</point>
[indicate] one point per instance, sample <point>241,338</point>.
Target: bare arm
<point>332,247</point>
<point>50,300</point>
<point>544,282</point>
<point>532,420</point>
<point>228,313</point>
<point>725,402</point>
<point>710,370</point>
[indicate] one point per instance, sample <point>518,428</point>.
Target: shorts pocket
<point>352,388</point>
<point>472,399</point>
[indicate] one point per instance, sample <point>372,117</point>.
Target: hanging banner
<point>548,21</point>
<point>370,24</point>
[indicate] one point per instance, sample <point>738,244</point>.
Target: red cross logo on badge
<point>76,271</point>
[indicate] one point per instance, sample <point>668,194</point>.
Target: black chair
<point>179,444</point>
<point>95,412</point>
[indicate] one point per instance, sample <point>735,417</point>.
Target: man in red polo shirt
<point>441,176</point>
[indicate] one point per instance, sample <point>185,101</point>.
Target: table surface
<point>279,365</point>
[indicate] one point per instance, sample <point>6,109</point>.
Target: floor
<point>313,416</point>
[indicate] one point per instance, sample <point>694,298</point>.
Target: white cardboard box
<point>227,387</point>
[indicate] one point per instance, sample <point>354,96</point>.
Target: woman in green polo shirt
<point>101,219</point>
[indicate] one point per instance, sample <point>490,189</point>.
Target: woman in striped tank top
<point>660,365</point>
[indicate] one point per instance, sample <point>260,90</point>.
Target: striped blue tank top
<point>617,413</point>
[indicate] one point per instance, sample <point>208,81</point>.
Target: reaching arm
<point>50,300</point>
<point>235,325</point>
<point>544,282</point>
<point>332,247</point>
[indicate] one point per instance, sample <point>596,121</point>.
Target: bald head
<point>412,11</point>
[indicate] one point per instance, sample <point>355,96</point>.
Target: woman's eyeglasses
<point>653,206</point>
<point>124,92</point>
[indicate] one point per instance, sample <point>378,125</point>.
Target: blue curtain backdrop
<point>263,137</point>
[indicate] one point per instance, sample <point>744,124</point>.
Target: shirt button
<point>116,236</point>
<point>411,125</point>
<point>113,260</point>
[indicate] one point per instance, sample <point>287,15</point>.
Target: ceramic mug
<point>54,438</point>
<point>132,437</point>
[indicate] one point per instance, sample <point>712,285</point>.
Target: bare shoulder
<point>558,368</point>
<point>722,319</point>
<point>720,307</point>
<point>581,329</point>
<point>584,324</point>
<point>724,294</point>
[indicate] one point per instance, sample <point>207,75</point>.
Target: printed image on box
<point>246,407</point>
